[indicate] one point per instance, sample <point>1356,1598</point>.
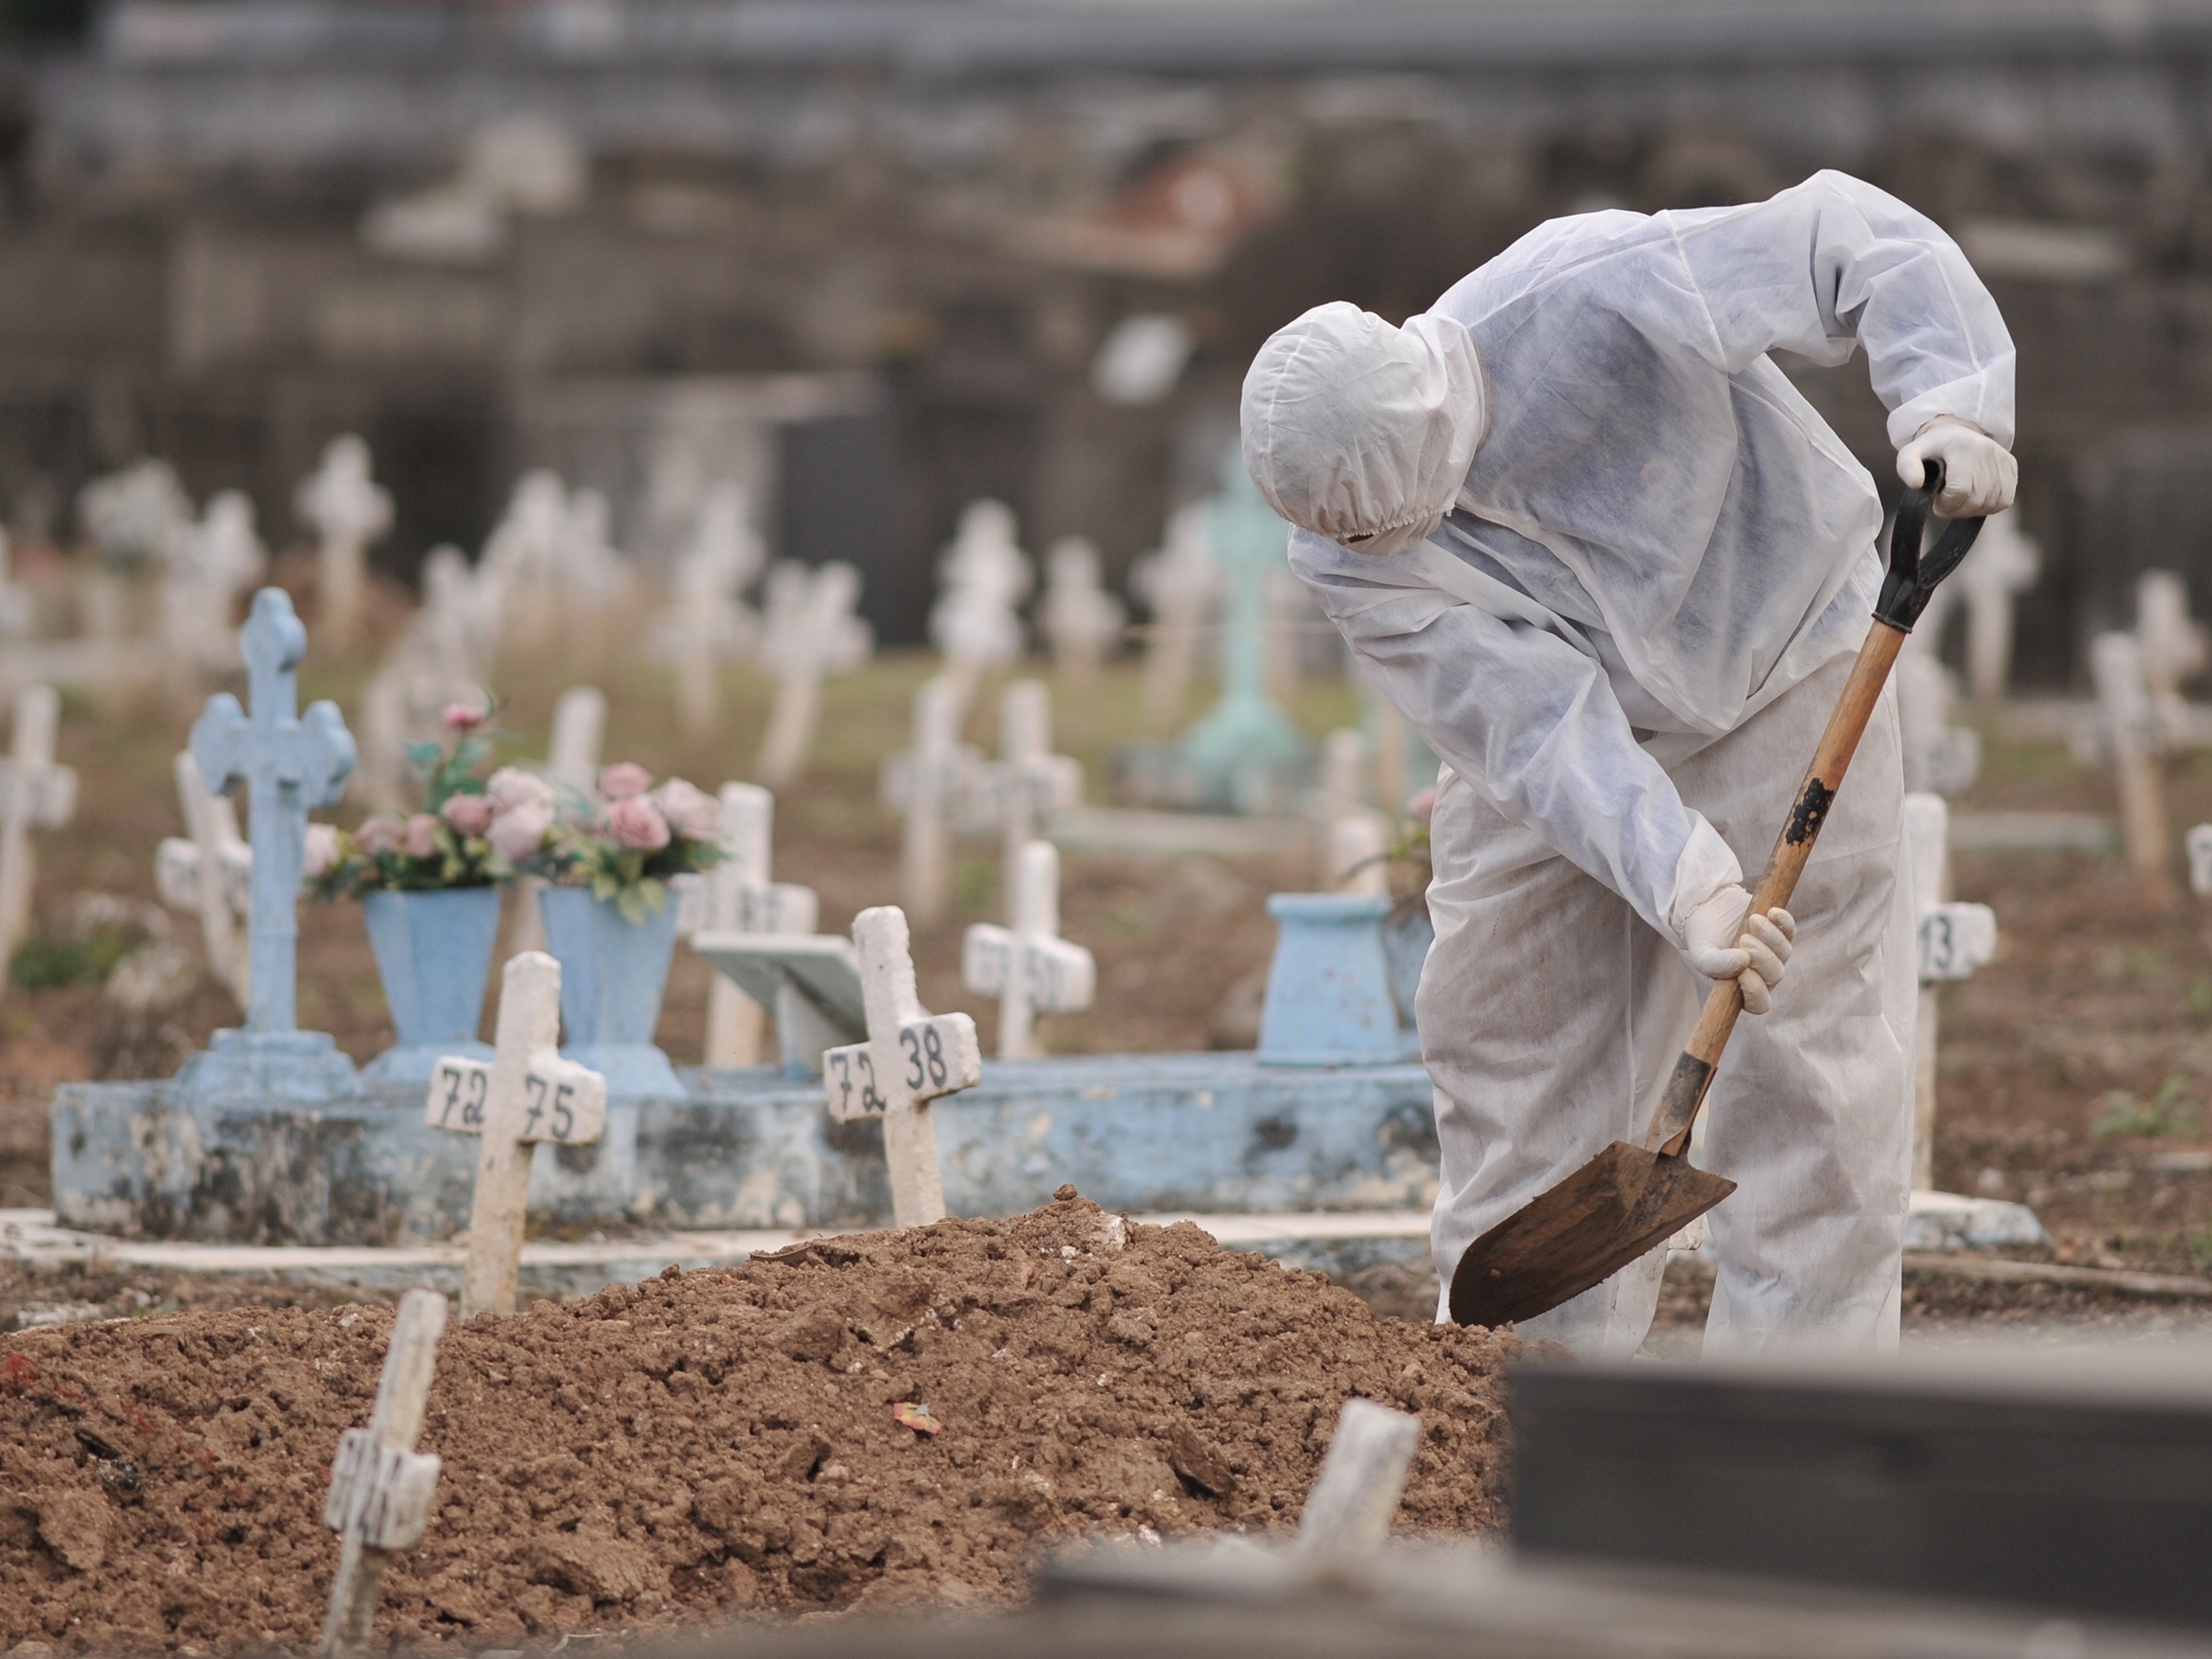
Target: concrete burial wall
<point>1195,1132</point>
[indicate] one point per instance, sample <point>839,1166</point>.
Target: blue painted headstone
<point>1332,996</point>
<point>1245,752</point>
<point>289,764</point>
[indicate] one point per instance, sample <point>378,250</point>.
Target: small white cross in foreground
<point>911,1058</point>
<point>1029,967</point>
<point>380,1485</point>
<point>525,1094</point>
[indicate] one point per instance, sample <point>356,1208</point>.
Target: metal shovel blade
<point>1586,1229</point>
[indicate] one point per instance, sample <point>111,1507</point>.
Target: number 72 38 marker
<point>936,1057</point>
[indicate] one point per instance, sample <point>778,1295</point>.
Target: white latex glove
<point>1724,941</point>
<point>1979,474</point>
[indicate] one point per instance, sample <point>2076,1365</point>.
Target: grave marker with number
<point>1028,782</point>
<point>1954,940</point>
<point>1029,967</point>
<point>739,898</point>
<point>381,1487</point>
<point>2128,731</point>
<point>210,872</point>
<point>525,1094</point>
<point>911,1058</point>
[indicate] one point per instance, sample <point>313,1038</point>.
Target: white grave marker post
<point>1177,584</point>
<point>1029,967</point>
<point>524,1094</point>
<point>348,510</point>
<point>741,899</point>
<point>1362,1478</point>
<point>810,633</point>
<point>1030,782</point>
<point>1358,855</point>
<point>210,564</point>
<point>928,783</point>
<point>708,621</point>
<point>290,764</point>
<point>2003,563</point>
<point>985,575</point>
<point>2199,843</point>
<point>210,872</point>
<point>2174,651</point>
<point>580,723</point>
<point>1953,940</point>
<point>380,1485</point>
<point>2123,703</point>
<point>1082,620</point>
<point>911,1058</point>
<point>34,794</point>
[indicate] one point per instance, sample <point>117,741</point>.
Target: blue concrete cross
<point>288,765</point>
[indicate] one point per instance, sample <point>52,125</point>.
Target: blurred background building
<point>881,256</point>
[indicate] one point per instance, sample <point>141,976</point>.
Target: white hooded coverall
<point>1624,641</point>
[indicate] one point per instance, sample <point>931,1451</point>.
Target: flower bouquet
<point>428,886</point>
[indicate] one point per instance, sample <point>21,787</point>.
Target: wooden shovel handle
<point>1669,1132</point>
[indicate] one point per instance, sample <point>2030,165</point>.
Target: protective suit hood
<point>1361,432</point>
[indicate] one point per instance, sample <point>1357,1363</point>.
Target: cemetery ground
<point>2075,1070</point>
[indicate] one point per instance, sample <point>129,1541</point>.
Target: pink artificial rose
<point>464,716</point>
<point>422,838</point>
<point>467,815</point>
<point>635,822</point>
<point>511,787</point>
<point>1423,806</point>
<point>379,836</point>
<point>322,853</point>
<point>520,831</point>
<point>624,782</point>
<point>691,813</point>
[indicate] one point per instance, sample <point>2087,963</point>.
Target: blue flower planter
<point>433,953</point>
<point>1332,996</point>
<point>613,972</point>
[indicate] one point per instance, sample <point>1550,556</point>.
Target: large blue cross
<point>289,764</point>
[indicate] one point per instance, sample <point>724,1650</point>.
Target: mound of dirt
<point>879,1420</point>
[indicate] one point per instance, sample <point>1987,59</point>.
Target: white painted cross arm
<point>177,867</point>
<point>1955,939</point>
<point>564,1100</point>
<point>2199,842</point>
<point>380,1492</point>
<point>1057,976</point>
<point>44,796</point>
<point>938,1054</point>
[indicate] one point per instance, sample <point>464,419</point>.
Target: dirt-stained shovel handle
<point>1911,579</point>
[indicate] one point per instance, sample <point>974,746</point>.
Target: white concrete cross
<point>1940,758</point>
<point>931,783</point>
<point>457,625</point>
<point>1354,838</point>
<point>2003,563</point>
<point>524,1094</point>
<point>290,764</point>
<point>16,602</point>
<point>740,898</point>
<point>34,794</point>
<point>348,510</point>
<point>708,622</point>
<point>380,1486</point>
<point>2124,709</point>
<point>2199,844</point>
<point>1363,1476</point>
<point>911,1058</point>
<point>210,564</point>
<point>1029,967</point>
<point>984,576</point>
<point>210,872</point>
<point>1082,620</point>
<point>2175,650</point>
<point>521,560</point>
<point>1953,940</point>
<point>592,576</point>
<point>1028,783</point>
<point>810,634</point>
<point>1177,584</point>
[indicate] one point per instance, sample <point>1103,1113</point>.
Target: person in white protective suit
<point>1588,539</point>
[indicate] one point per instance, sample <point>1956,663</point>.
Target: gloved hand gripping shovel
<point>1629,1197</point>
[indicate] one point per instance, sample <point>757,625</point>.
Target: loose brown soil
<point>719,1443</point>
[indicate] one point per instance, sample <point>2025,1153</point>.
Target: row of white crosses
<point>1953,941</point>
<point>2142,716</point>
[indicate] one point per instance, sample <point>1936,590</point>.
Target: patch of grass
<point>2169,1111</point>
<point>2200,1247</point>
<point>973,883</point>
<point>41,964</point>
<point>2131,961</point>
<point>2199,998</point>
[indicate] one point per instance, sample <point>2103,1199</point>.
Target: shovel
<point>1629,1197</point>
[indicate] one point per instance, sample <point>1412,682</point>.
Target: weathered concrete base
<point>752,1149</point>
